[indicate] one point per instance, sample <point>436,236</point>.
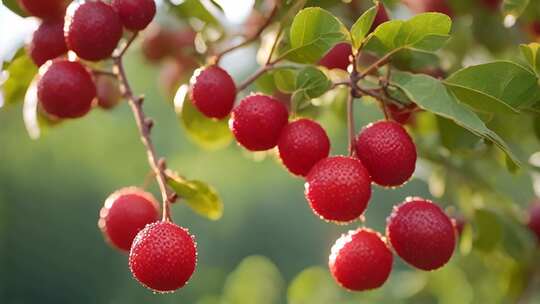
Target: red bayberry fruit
<point>401,114</point>
<point>45,9</point>
<point>108,92</point>
<point>423,6</point>
<point>135,14</point>
<point>66,89</point>
<point>48,41</point>
<point>163,256</point>
<point>388,153</point>
<point>338,188</point>
<point>258,121</point>
<point>421,233</point>
<point>380,18</point>
<point>213,91</point>
<point>337,57</point>
<point>533,221</point>
<point>92,30</point>
<point>302,144</point>
<point>125,213</point>
<point>361,260</point>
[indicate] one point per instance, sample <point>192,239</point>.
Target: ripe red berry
<point>163,256</point>
<point>338,188</point>
<point>421,234</point>
<point>125,213</point>
<point>213,91</point>
<point>337,57</point>
<point>66,89</point>
<point>92,29</point>
<point>135,14</point>
<point>361,260</point>
<point>388,153</point>
<point>48,41</point>
<point>108,92</point>
<point>380,18</point>
<point>45,9</point>
<point>258,121</point>
<point>533,222</point>
<point>302,144</point>
<point>402,114</point>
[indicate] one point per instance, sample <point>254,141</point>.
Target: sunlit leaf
<point>530,52</point>
<point>514,8</point>
<point>193,9</point>
<point>361,27</point>
<point>310,83</point>
<point>14,7</point>
<point>20,73</point>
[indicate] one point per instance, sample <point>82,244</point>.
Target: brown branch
<point>98,72</point>
<point>377,64</point>
<point>350,122</point>
<point>144,125</point>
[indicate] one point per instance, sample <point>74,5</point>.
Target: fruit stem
<point>144,125</point>
<point>350,122</point>
<point>377,64</point>
<point>263,69</point>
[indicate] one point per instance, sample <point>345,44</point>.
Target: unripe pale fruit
<point>338,189</point>
<point>45,9</point>
<point>48,41</point>
<point>92,30</point>
<point>302,144</point>
<point>388,153</point>
<point>135,14</point>
<point>257,122</point>
<point>163,256</point>
<point>380,18</point>
<point>108,92</point>
<point>338,57</point>
<point>533,221</point>
<point>125,213</point>
<point>66,89</point>
<point>213,91</point>
<point>421,234</point>
<point>360,260</point>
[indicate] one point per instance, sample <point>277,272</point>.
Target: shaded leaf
<point>514,7</point>
<point>310,83</point>
<point>488,229</point>
<point>13,6</point>
<point>313,285</point>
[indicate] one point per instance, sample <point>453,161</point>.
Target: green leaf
<point>20,73</point>
<point>314,31</point>
<point>310,83</point>
<point>425,32</point>
<point>36,121</point>
<point>313,285</point>
<point>488,230</point>
<point>431,95</point>
<point>199,196</point>
<point>361,27</point>
<point>517,241</point>
<point>530,52</point>
<point>206,132</point>
<point>495,87</point>
<point>514,7</point>
<point>285,80</point>
<point>193,9</point>
<point>13,6</point>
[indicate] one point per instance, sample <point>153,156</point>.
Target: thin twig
<point>274,45</point>
<point>263,69</point>
<point>350,122</point>
<point>377,64</point>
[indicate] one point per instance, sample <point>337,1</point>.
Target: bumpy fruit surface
<point>48,41</point>
<point>125,213</point>
<point>388,153</point>
<point>338,188</point>
<point>533,221</point>
<point>66,89</point>
<point>163,256</point>
<point>380,18</point>
<point>92,30</point>
<point>108,92</point>
<point>302,144</point>
<point>213,91</point>
<point>258,121</point>
<point>337,57</point>
<point>421,234</point>
<point>135,14</point>
<point>45,9</point>
<point>361,260</point>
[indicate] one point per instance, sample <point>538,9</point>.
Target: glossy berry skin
<point>163,256</point>
<point>338,189</point>
<point>533,221</point>
<point>388,153</point>
<point>302,144</point>
<point>66,89</point>
<point>125,213</point>
<point>360,260</point>
<point>421,234</point>
<point>213,91</point>
<point>45,9</point>
<point>258,121</point>
<point>380,18</point>
<point>48,41</point>
<point>337,57</point>
<point>92,30</point>
<point>135,14</point>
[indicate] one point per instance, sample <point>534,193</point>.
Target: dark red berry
<point>213,91</point>
<point>135,14</point>
<point>421,234</point>
<point>66,89</point>
<point>108,92</point>
<point>337,57</point>
<point>92,29</point>
<point>125,213</point>
<point>258,121</point>
<point>533,221</point>
<point>302,144</point>
<point>380,18</point>
<point>163,256</point>
<point>424,6</point>
<point>45,9</point>
<point>361,260</point>
<point>388,153</point>
<point>48,41</point>
<point>338,188</point>
<point>401,114</point>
